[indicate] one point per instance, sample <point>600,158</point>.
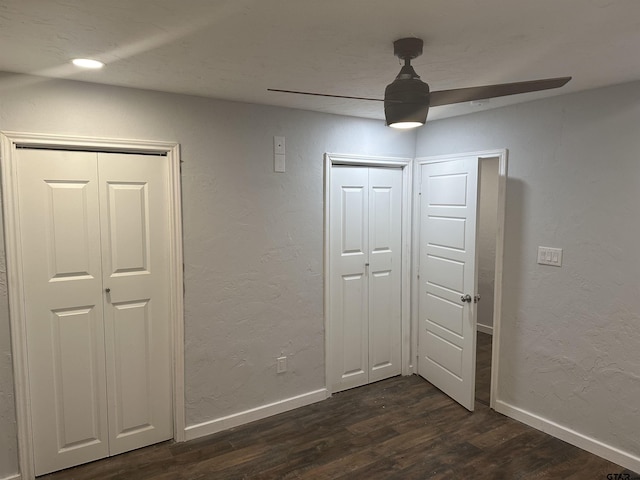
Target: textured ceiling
<point>236,49</point>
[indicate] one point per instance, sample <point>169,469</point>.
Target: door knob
<point>466,298</point>
<point>107,290</point>
<point>476,298</point>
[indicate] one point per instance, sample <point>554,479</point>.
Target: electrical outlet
<point>281,364</point>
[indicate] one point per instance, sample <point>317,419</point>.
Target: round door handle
<point>466,298</point>
<point>107,290</point>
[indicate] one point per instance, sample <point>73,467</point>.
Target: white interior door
<point>135,226</point>
<point>365,264</point>
<point>99,364</point>
<point>349,221</point>
<point>447,329</point>
<point>385,238</point>
<point>60,231</point>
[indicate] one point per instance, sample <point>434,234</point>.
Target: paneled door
<point>365,263</point>
<point>448,278</point>
<point>94,240</point>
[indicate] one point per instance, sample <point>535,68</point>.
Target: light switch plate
<point>550,256</point>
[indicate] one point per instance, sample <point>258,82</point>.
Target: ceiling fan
<point>407,99</point>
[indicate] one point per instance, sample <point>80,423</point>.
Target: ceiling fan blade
<point>457,95</point>
<point>324,95</point>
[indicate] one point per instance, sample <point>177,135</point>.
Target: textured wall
<point>8,440</point>
<point>253,239</point>
<point>570,342</point>
<point>487,219</point>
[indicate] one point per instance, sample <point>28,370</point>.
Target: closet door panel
<point>385,243</point>
<point>135,236</point>
<point>349,316</point>
<point>365,223</point>
<point>61,260</point>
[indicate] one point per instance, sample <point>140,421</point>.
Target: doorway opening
<point>457,307</point>
<point>486,251</point>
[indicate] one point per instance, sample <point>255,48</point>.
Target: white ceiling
<point>236,49</point>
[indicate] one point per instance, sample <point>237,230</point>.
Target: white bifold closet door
<point>94,240</point>
<point>365,265</point>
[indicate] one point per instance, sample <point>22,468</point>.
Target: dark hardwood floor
<point>401,428</point>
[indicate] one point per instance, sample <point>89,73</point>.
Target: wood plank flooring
<point>483,368</point>
<point>402,428</point>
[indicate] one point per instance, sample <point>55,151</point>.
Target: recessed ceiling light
<point>87,63</point>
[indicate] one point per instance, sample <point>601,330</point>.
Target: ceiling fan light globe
<point>405,125</point>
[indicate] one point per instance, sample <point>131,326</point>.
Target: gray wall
<point>8,440</point>
<point>253,239</point>
<point>570,341</point>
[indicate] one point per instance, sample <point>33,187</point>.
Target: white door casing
<point>447,276</point>
<point>67,194</point>
<point>365,264</point>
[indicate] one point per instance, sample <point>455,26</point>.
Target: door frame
<point>9,143</point>
<point>502,155</point>
<point>332,159</point>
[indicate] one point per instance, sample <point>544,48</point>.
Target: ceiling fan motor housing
<point>406,99</point>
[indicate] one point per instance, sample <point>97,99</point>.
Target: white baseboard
<point>485,328</point>
<point>615,455</point>
<point>15,476</point>
<point>258,413</point>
